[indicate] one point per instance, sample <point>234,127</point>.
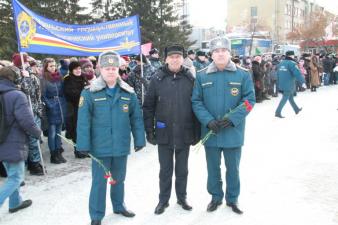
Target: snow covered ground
<point>289,176</point>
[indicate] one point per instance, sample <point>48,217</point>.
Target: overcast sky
<point>212,13</point>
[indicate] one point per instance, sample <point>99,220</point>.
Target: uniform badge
<point>234,91</point>
<point>125,108</point>
<point>81,101</point>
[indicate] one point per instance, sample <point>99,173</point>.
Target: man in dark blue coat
<point>287,74</point>
<point>13,148</point>
<point>222,89</point>
<point>108,112</point>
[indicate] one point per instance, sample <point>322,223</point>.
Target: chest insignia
<point>125,108</point>
<point>234,91</point>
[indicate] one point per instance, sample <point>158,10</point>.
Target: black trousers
<point>166,159</point>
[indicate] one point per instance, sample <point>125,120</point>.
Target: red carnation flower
<point>247,105</point>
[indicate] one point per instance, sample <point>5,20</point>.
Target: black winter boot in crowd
<point>54,157</point>
<point>3,172</point>
<point>80,155</point>
<point>35,168</point>
<point>63,160</point>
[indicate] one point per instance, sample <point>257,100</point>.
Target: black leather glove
<point>213,125</point>
<point>151,138</point>
<point>225,123</point>
<point>137,148</point>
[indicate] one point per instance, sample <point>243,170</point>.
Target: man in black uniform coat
<point>171,123</point>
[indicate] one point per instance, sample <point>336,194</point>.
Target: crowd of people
<point>54,95</point>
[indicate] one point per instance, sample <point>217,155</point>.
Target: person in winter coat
<point>53,97</point>
<point>87,69</point>
<point>201,61</point>
<point>189,64</point>
<point>258,76</point>
<point>220,89</point>
<point>287,74</point>
<point>108,113</point>
<point>137,81</point>
<point>13,148</point>
<point>64,64</point>
<point>73,83</point>
<point>154,58</point>
<point>171,123</point>
<point>124,70</point>
<point>314,67</point>
<point>30,85</point>
<point>303,72</point>
<point>273,78</point>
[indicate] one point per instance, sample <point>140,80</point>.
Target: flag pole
<point>141,58</point>
<point>22,62</point>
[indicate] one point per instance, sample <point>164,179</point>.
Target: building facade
<point>277,17</point>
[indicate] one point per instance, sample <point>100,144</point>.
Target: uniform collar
<point>99,84</point>
<point>213,69</point>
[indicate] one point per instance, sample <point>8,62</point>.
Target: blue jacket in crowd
<point>53,97</point>
<point>287,74</point>
<point>19,117</point>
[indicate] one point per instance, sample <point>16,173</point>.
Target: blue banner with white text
<point>37,34</point>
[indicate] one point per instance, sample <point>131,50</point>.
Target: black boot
<point>213,205</point>
<point>80,155</point>
<point>62,160</point>
<point>161,207</point>
<point>54,157</point>
<point>184,204</point>
<point>35,169</point>
<point>126,213</point>
<point>95,222</point>
<point>235,208</point>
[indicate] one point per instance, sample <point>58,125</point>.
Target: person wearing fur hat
<point>13,146</point>
<point>218,98</point>
<point>287,74</point>
<point>53,97</point>
<point>154,58</point>
<point>87,69</point>
<point>191,55</point>
<point>74,83</point>
<point>201,61</point>
<point>108,113</point>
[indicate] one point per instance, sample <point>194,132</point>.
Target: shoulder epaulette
<point>205,68</point>
<point>125,86</point>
